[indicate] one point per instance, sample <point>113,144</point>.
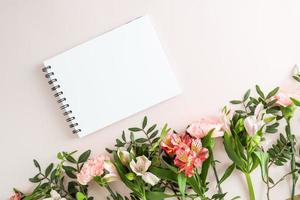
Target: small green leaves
<point>145,122</point>
<point>280,153</point>
<point>36,164</point>
<point>84,156</point>
<point>227,173</point>
<point>235,102</point>
<point>246,95</point>
<point>273,92</point>
<point>35,179</point>
<point>135,129</point>
<point>151,128</point>
<point>259,92</point>
<point>48,169</point>
<point>70,171</point>
<point>296,102</point>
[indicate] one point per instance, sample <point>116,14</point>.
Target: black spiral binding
<point>61,99</point>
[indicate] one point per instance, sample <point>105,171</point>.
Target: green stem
<point>293,161</point>
<point>250,186</point>
<point>216,176</point>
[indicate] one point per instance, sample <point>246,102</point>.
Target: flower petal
<point>124,157</point>
<point>143,162</point>
<point>150,178</point>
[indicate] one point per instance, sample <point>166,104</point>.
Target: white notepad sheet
<point>115,75</point>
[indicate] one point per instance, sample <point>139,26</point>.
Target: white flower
<point>254,122</point>
<point>112,174</point>
<point>124,157</point>
<point>252,125</point>
<point>140,168</point>
<point>54,196</point>
<point>226,117</point>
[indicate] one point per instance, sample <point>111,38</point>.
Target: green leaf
<point>181,178</point>
<point>195,185</point>
<point>108,150</point>
<point>123,136</point>
<point>158,195</point>
<point>70,171</point>
<point>35,179</point>
<point>84,156</point>
<point>235,102</point>
<point>48,169</point>
<point>163,134</point>
<point>36,164</point>
<point>218,196</point>
<point>151,129</point>
<point>227,173</point>
<point>70,158</point>
<point>273,92</point>
<point>162,173</point>
<point>145,122</point>
<point>141,140</point>
<point>296,102</point>
<point>80,196</point>
<point>208,141</point>
<point>263,158</point>
<point>122,171</point>
<point>135,129</point>
<point>246,95</point>
<point>229,147</point>
<point>297,78</point>
<point>259,92</point>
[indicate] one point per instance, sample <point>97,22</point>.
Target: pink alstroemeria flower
<point>170,144</point>
<point>187,159</point>
<point>16,196</point>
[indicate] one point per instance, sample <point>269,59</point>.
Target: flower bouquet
<point>156,164</point>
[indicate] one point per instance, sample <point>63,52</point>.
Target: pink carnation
<point>283,99</point>
<point>201,128</point>
<point>93,167</point>
<point>16,196</point>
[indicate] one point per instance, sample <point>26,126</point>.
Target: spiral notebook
<point>111,77</point>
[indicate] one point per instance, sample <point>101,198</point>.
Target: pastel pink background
<point>217,48</point>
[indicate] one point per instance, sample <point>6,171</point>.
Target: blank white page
<point>113,76</point>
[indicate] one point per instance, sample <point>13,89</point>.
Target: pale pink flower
<point>226,117</point>
<point>140,168</point>
<point>283,99</point>
<point>54,196</point>
<point>112,173</point>
<point>253,125</point>
<point>16,196</point>
<point>93,167</point>
<point>201,128</point>
<point>254,122</point>
<point>124,157</point>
